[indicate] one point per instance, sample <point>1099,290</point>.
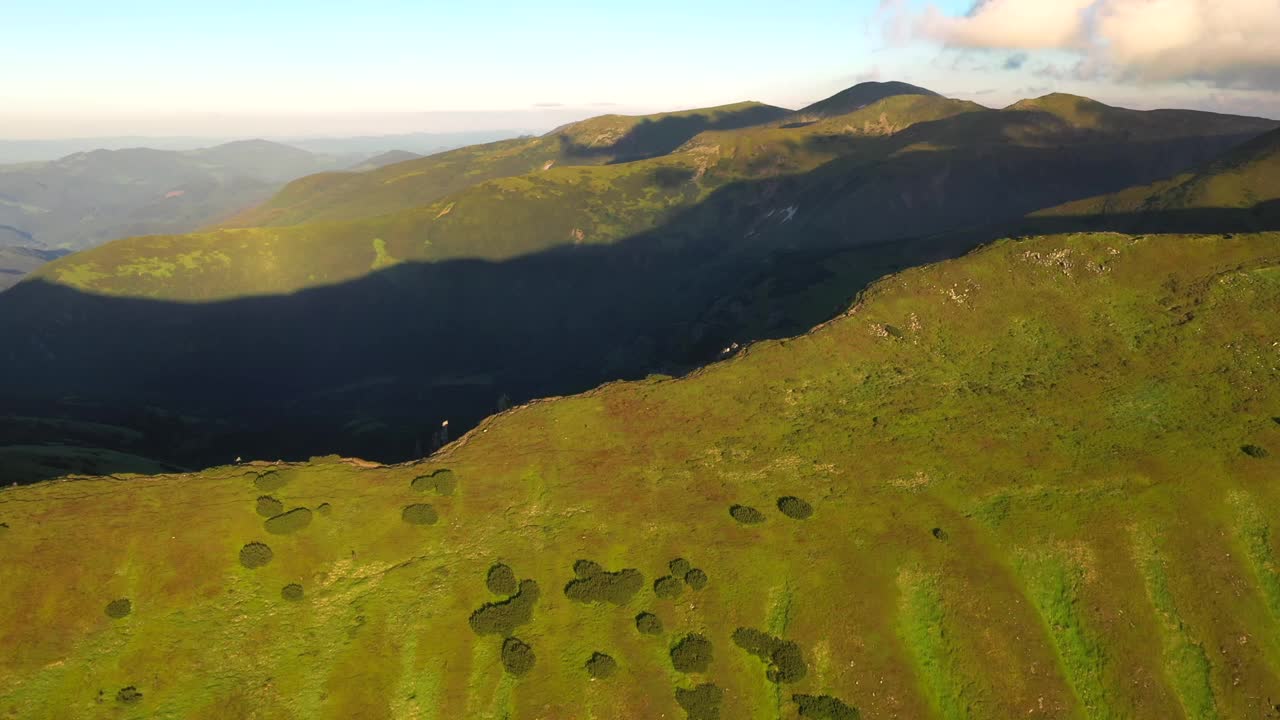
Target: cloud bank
<point>1226,43</point>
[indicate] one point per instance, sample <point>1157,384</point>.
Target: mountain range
<point>357,312</point>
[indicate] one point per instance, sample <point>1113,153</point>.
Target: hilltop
<point>1037,514</point>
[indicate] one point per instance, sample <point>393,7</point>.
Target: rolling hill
<point>16,262</point>
<point>88,198</point>
<point>1038,514</point>
<point>361,335</point>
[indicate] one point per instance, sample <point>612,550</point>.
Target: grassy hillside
<point>600,140</point>
<point>1240,191</point>
<point>1064,514</point>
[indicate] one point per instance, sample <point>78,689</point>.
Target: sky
<point>85,68</point>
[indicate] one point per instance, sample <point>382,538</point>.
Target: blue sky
<point>77,67</point>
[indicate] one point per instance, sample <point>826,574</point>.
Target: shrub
<point>129,696</point>
<point>290,522</point>
<point>940,534</point>
<point>269,506</point>
<point>613,587</point>
<point>691,654</point>
<point>696,579</point>
<point>795,508</point>
<point>502,618</point>
<point>679,567</point>
<point>702,702</point>
<point>441,482</point>
<point>786,662</point>
<point>649,624</point>
<point>270,481</point>
<point>601,666</point>
<point>255,555</point>
<point>824,707</point>
<point>1254,451</point>
<point>587,568</point>
<point>324,509</point>
<point>501,580</point>
<point>667,587</point>
<point>517,656</point>
<point>1276,420</point>
<point>420,514</point>
<point>746,515</point>
<point>117,609</point>
<point>291,592</point>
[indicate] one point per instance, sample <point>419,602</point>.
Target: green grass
<point>1108,543</point>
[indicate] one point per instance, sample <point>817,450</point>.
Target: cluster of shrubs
<point>601,666</point>
<point>129,696</point>
<point>420,514</point>
<point>1254,451</point>
<point>269,506</point>
<point>824,707</point>
<point>120,608</point>
<point>501,580</point>
<point>786,662</point>
<point>648,624</point>
<point>702,702</point>
<point>682,573</point>
<point>503,617</point>
<point>517,657</point>
<point>441,482</point>
<point>592,583</point>
<point>291,592</point>
<point>789,505</point>
<point>290,522</point>
<point>324,509</point>
<point>693,653</point>
<point>255,555</point>
<point>270,481</point>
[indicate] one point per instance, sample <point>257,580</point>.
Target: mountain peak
<point>862,95</point>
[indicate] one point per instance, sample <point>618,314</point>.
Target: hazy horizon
<point>145,68</point>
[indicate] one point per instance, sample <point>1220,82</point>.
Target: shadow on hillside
<point>373,366</point>
<point>652,138</point>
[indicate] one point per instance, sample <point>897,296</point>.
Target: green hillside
<point>1240,191</point>
<point>1064,514</point>
<point>600,140</point>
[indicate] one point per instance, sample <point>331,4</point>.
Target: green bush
<point>679,567</point>
<point>291,522</point>
<point>795,508</point>
<point>129,696</point>
<point>587,568</point>
<point>517,656</point>
<point>746,515</point>
<point>692,654</point>
<point>255,555</point>
<point>785,661</point>
<point>649,624</point>
<point>420,514</point>
<point>824,707</point>
<point>501,580</point>
<point>612,587</point>
<point>291,592</point>
<point>940,534</point>
<point>601,666</point>
<point>1254,451</point>
<point>324,509</point>
<point>667,587</point>
<point>268,506</point>
<point>117,609</point>
<point>696,579</point>
<point>270,481</point>
<point>441,482</point>
<point>702,702</point>
<point>502,618</point>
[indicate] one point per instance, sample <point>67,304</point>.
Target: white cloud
<point>1227,43</point>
